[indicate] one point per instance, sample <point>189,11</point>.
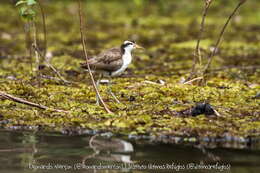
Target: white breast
<point>127,59</point>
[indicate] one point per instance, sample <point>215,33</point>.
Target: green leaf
<point>22,10</point>
<point>31,2</point>
<point>20,2</point>
<point>27,13</point>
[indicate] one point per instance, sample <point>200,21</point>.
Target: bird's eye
<point>128,44</point>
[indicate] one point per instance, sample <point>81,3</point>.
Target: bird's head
<point>129,46</point>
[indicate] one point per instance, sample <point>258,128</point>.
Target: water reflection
<point>100,143</point>
<point>105,149</point>
<point>31,152</point>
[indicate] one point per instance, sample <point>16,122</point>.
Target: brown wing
<point>109,60</point>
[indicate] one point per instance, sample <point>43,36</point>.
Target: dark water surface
<point>30,152</point>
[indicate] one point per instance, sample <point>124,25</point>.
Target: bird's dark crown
<point>125,44</point>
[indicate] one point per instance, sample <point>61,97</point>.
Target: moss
<point>146,107</point>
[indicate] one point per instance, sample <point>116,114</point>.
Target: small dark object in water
<point>202,108</point>
<point>132,98</point>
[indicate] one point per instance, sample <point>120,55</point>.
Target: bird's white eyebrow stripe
<point>126,42</point>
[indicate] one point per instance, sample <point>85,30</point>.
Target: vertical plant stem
<point>202,26</point>
<point>221,35</point>
<point>197,55</point>
<point>44,28</point>
<point>28,42</point>
<point>43,55</point>
<point>37,58</point>
<point>86,56</point>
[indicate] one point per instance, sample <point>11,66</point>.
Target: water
<point>54,153</point>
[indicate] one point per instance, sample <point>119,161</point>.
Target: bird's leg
<point>97,84</point>
<point>110,91</point>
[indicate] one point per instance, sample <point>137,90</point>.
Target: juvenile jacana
<point>112,62</point>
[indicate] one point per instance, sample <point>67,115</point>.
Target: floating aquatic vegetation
<point>149,107</point>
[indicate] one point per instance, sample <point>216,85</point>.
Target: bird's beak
<point>138,47</point>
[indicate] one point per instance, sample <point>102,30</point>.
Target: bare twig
<point>205,11</point>
<point>221,35</point>
<point>49,65</point>
<point>44,27</point>
<point>86,56</point>
<point>151,82</point>
<point>216,112</point>
<point>192,80</point>
<point>197,55</point>
<point>57,79</point>
<point>20,100</point>
<point>57,72</point>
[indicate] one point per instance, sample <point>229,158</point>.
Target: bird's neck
<point>127,52</point>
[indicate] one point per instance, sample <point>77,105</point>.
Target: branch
<point>19,100</point>
<point>221,35</point>
<point>49,65</point>
<point>192,80</point>
<point>197,55</point>
<point>86,56</point>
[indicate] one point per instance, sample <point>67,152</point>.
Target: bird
<point>112,62</point>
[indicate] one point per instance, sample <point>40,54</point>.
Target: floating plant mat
<point>154,102</point>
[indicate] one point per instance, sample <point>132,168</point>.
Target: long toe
<point>113,95</point>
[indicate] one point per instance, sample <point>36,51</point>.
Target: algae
<point>147,106</point>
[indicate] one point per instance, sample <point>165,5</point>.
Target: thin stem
<point>37,59</point>
<point>50,66</point>
<point>221,35</point>
<point>202,26</point>
<point>28,42</point>
<point>197,55</point>
<point>86,56</point>
<point>192,80</point>
<point>19,100</point>
<point>44,27</point>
